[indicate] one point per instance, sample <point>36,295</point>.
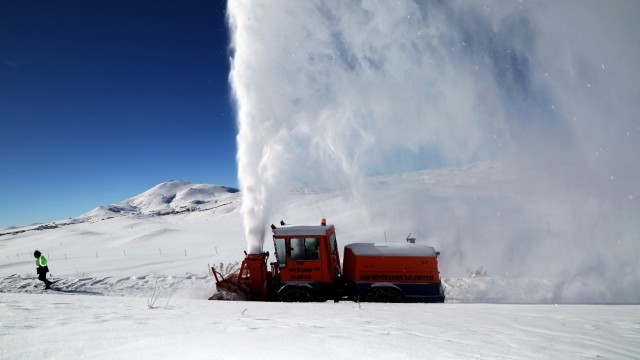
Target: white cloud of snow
<point>329,92</point>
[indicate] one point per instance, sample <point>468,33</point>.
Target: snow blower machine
<point>307,269</point>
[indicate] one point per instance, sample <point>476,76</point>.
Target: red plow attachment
<point>248,283</point>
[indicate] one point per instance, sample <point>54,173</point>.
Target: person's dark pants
<point>42,276</point>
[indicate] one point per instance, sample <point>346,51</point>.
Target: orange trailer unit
<point>392,272</point>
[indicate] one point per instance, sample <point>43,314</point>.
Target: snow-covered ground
<point>132,279</point>
<point>54,326</point>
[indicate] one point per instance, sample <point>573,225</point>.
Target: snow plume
<point>330,92</point>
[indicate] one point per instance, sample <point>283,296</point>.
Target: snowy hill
<point>170,198</point>
<point>491,235</point>
<point>153,251</point>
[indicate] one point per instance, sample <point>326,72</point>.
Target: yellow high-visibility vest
<point>41,261</point>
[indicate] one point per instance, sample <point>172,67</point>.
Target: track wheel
<point>383,295</point>
<point>296,294</point>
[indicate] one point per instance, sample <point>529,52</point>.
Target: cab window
<point>281,255</point>
<point>304,249</point>
<point>333,242</point>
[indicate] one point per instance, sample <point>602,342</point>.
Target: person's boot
<point>47,285</point>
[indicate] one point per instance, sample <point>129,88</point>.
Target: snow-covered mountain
<point>169,198</point>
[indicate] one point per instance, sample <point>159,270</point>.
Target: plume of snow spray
<point>329,92</point>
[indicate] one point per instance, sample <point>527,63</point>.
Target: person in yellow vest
<point>42,269</point>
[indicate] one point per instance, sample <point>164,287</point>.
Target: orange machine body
<point>391,263</point>
<point>407,270</point>
<point>307,268</point>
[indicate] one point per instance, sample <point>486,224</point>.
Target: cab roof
<point>292,230</point>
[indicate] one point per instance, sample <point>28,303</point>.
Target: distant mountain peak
<point>169,197</point>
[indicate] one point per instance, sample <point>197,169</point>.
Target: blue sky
<point>101,100</point>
